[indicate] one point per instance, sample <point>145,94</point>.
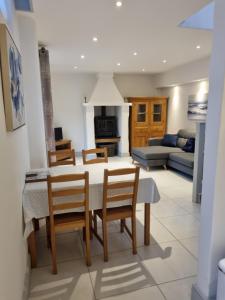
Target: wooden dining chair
<point>58,221</point>
<point>117,191</point>
<point>96,160</point>
<point>61,157</point>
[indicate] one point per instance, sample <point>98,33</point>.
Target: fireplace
<point>107,118</point>
<point>105,126</point>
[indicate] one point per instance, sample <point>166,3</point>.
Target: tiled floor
<point>164,270</point>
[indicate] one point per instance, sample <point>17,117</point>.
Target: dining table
<point>35,196</point>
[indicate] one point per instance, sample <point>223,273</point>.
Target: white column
<point>123,126</point>
<point>32,90</point>
<point>89,126</point>
<point>198,162</point>
<point>212,231</point>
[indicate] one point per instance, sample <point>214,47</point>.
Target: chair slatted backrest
<point>102,151</point>
<point>61,157</point>
<point>55,192</point>
<point>122,186</point>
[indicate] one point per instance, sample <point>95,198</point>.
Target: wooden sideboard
<point>62,145</point>
<point>148,119</point>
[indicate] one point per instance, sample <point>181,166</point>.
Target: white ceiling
<point>148,27</point>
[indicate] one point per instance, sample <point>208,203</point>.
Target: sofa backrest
<point>183,136</point>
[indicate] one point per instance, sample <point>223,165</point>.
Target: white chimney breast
<point>105,92</point>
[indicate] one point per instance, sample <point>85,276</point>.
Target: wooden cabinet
<point>148,118</point>
<point>62,145</point>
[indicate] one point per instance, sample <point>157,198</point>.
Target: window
<point>141,113</point>
<point>157,112</point>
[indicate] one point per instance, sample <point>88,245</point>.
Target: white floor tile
<point>167,208</point>
<point>182,227</point>
<point>71,283</point>
<point>68,246</point>
<point>189,206</point>
<point>116,242</point>
<point>123,273</point>
<point>168,261</point>
<point>180,289</point>
<point>152,292</point>
<point>192,245</point>
<point>158,232</point>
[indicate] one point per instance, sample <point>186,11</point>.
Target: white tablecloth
<point>35,197</point>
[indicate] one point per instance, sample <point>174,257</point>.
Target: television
<point>58,133</point>
<point>105,127</point>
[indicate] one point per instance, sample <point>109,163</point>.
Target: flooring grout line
<point>178,240</point>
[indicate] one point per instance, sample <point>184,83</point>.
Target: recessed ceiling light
<point>95,39</point>
<point>82,56</point>
<point>135,54</point>
<point>75,67</point>
<point>119,3</point>
<point>118,64</point>
<point>164,61</point>
<point>143,70</point>
<point>198,47</point>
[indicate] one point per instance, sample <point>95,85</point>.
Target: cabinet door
<point>158,117</point>
<point>140,124</point>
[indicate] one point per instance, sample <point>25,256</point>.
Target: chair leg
<point>134,235</point>
<point>83,230</point>
<point>53,252</point>
<point>105,239</point>
<point>48,233</point>
<point>90,222</point>
<point>95,223</point>
<point>122,225</point>
<point>88,251</point>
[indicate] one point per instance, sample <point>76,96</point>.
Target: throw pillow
<point>181,142</point>
<point>190,145</point>
<point>169,140</point>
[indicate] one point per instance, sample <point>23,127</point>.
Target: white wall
<point>184,74</point>
<point>32,91</point>
<point>69,90</point>
<point>135,85</point>
<point>178,104</point>
<point>14,160</point>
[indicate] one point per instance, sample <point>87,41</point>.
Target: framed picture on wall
<point>198,107</point>
<point>11,73</point>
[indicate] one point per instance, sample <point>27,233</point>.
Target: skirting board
<point>26,287</point>
<point>196,295</point>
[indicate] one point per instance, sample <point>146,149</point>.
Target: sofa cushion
<point>169,140</point>
<point>183,133</point>
<point>189,146</point>
<point>155,152</point>
<point>184,158</point>
<point>181,142</point>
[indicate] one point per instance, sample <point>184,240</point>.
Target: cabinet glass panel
<point>141,113</point>
<point>157,112</point>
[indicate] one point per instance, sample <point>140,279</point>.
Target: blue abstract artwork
<point>12,81</point>
<point>15,85</point>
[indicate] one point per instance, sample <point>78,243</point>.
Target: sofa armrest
<point>155,141</point>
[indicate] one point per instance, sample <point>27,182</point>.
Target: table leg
<point>147,224</point>
<point>32,249</point>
